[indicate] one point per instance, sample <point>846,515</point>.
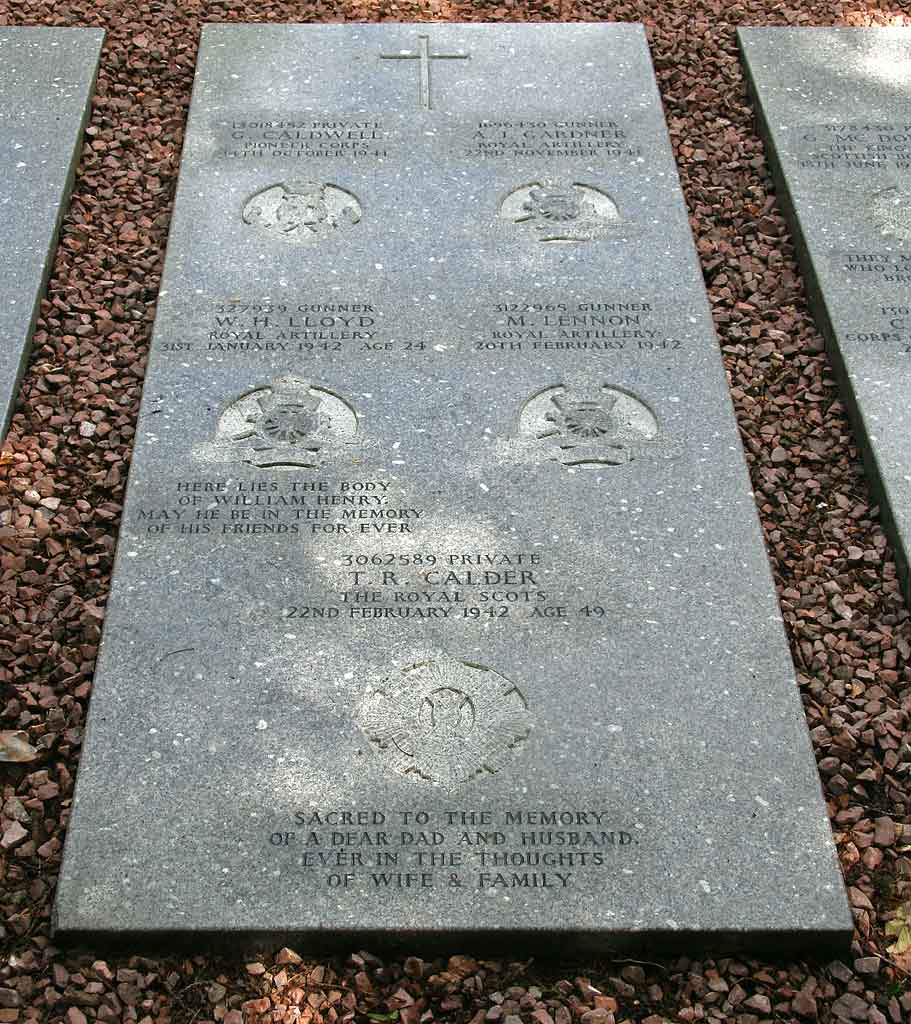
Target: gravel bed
<point>64,465</point>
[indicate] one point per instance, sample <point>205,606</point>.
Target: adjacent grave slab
<point>441,611</point>
<point>47,76</point>
<point>834,106</point>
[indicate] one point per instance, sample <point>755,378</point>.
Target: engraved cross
<point>425,57</point>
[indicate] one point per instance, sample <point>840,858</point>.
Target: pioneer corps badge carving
<point>303,212</point>
<point>444,721</point>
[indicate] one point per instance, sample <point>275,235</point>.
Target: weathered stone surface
<point>441,608</point>
<point>46,81</point>
<point>834,106</point>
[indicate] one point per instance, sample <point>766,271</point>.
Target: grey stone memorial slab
<point>834,106</point>
<point>46,80</point>
<point>441,613</point>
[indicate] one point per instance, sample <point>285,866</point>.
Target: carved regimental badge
<point>592,426</point>
<point>289,424</point>
<point>561,211</point>
<point>444,721</point>
<point>303,211</point>
<point>892,212</point>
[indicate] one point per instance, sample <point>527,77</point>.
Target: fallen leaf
<point>899,928</point>
<point>15,747</point>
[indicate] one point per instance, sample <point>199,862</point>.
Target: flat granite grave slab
<point>834,107</point>
<point>47,76</point>
<point>441,613</point>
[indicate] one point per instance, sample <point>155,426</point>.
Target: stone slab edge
<point>551,940</point>
<point>825,326</point>
<point>8,400</point>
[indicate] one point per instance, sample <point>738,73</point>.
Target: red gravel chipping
<point>64,465</point>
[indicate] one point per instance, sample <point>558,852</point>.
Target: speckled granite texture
<point>441,609</point>
<point>46,81</point>
<point>834,107</point>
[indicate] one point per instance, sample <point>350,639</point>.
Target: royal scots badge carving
<point>302,212</point>
<point>289,424</point>
<point>560,211</point>
<point>892,212</point>
<point>591,426</point>
<point>444,722</point>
